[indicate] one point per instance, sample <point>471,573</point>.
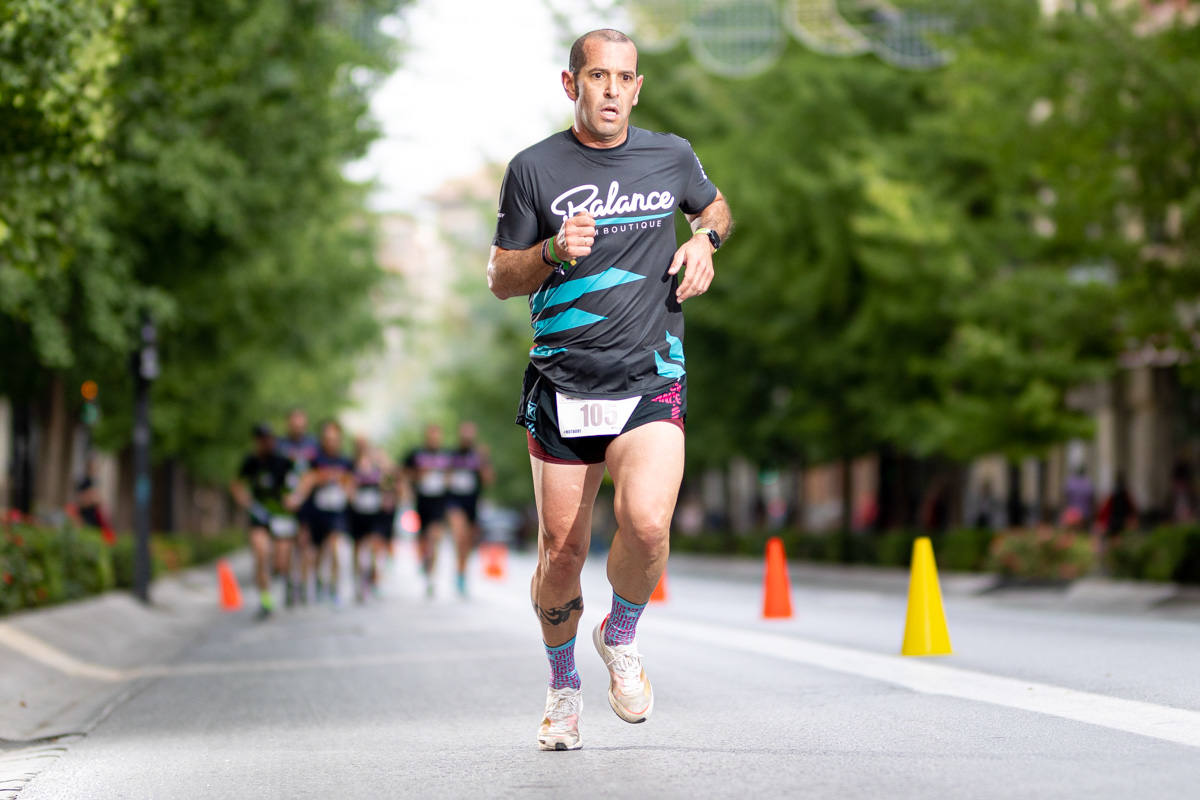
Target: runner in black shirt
<point>470,470</point>
<point>328,487</point>
<point>426,469</point>
<point>586,229</point>
<point>301,447</point>
<point>259,488</point>
<point>368,518</point>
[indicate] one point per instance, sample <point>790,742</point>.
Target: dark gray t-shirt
<point>611,326</point>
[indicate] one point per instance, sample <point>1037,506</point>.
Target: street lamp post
<point>145,370</point>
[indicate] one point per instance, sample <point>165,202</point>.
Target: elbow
<point>494,284</point>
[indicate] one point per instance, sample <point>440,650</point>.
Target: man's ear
<point>638,92</point>
<point>568,82</point>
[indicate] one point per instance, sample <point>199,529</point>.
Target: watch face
<point>715,239</point>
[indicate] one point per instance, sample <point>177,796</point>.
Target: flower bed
<point>42,565</point>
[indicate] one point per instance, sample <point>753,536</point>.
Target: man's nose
<point>612,88</point>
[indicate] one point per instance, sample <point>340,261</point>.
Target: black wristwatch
<point>713,237</point>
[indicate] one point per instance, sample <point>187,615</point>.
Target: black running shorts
<point>538,414</point>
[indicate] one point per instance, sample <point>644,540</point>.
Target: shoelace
<point>563,707</point>
<point>628,667</point>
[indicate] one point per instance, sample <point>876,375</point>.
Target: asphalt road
<point>407,697</point>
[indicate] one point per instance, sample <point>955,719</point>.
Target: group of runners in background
<point>304,494</point>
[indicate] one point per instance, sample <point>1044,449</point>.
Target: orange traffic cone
<point>777,590</point>
<point>660,591</point>
<point>495,560</point>
<point>231,595</point>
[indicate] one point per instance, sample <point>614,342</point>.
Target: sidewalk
<point>1093,594</point>
<point>66,666</point>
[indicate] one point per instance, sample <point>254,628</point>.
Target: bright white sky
<point>478,83</point>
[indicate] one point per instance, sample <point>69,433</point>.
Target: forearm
<point>716,216</point>
<point>512,273</point>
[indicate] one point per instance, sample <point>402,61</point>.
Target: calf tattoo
<point>559,615</point>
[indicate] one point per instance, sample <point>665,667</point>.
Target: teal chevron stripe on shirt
<point>623,220</point>
<point>571,318</point>
<point>572,290</point>
<point>543,350</point>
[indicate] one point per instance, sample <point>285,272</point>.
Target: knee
<point>648,530</point>
<point>563,554</point>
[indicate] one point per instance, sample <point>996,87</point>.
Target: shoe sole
<point>556,746</point>
<point>632,719</point>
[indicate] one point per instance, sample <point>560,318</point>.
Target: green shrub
<point>1043,554</point>
<point>964,550</point>
<point>41,566</point>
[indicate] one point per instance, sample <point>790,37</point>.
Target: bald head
<point>577,58</point>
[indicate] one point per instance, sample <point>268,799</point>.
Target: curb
<point>67,666</point>
<point>1093,594</point>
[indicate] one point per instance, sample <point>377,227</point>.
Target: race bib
<point>432,483</point>
<point>583,416</point>
<point>462,481</point>
<point>283,527</point>
<point>367,500</point>
<point>331,497</point>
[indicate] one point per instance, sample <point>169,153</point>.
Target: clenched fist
<point>575,237</point>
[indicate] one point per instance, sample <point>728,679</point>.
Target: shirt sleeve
<point>699,191</point>
<point>517,218</point>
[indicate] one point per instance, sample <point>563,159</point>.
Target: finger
<point>676,262</point>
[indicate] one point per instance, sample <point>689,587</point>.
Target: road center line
<point>1167,723</point>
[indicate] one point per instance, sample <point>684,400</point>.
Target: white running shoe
<point>629,690</point>
<point>560,726</point>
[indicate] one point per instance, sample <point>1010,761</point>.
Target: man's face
<point>265,445</point>
<point>331,439</point>
<point>605,90</point>
<point>466,433</point>
<point>433,437</point>
<point>297,424</point>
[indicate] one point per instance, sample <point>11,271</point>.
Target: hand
<point>696,254</point>
<point>575,237</point>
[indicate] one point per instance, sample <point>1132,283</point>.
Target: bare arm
<point>697,252</point>
<point>512,273</point>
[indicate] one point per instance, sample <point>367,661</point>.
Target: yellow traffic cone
<point>925,632</point>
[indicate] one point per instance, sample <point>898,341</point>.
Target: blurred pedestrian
<point>606,385</point>
<point>426,470</point>
<point>1182,502</point>
<point>328,487</point>
<point>259,489</point>
<point>88,503</point>
<point>1080,500</point>
<point>367,520</point>
<point>470,471</point>
<point>301,448</point>
<point>1118,511</point>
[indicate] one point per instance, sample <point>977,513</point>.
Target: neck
<point>589,139</point>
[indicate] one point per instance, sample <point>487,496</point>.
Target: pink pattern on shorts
<point>672,397</point>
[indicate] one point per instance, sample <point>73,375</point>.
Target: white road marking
<point>34,648</point>
<point>38,650</point>
<point>1167,723</point>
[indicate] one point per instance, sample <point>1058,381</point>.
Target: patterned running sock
<point>562,665</point>
<point>622,621</point>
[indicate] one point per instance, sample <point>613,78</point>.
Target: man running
<point>425,470</point>
<point>301,447</point>
<point>259,488</point>
<point>368,521</point>
<point>586,229</point>
<point>327,489</point>
<point>470,471</point>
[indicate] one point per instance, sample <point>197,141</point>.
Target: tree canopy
<point>185,158</point>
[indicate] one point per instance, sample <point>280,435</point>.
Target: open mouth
<point>610,113</point>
